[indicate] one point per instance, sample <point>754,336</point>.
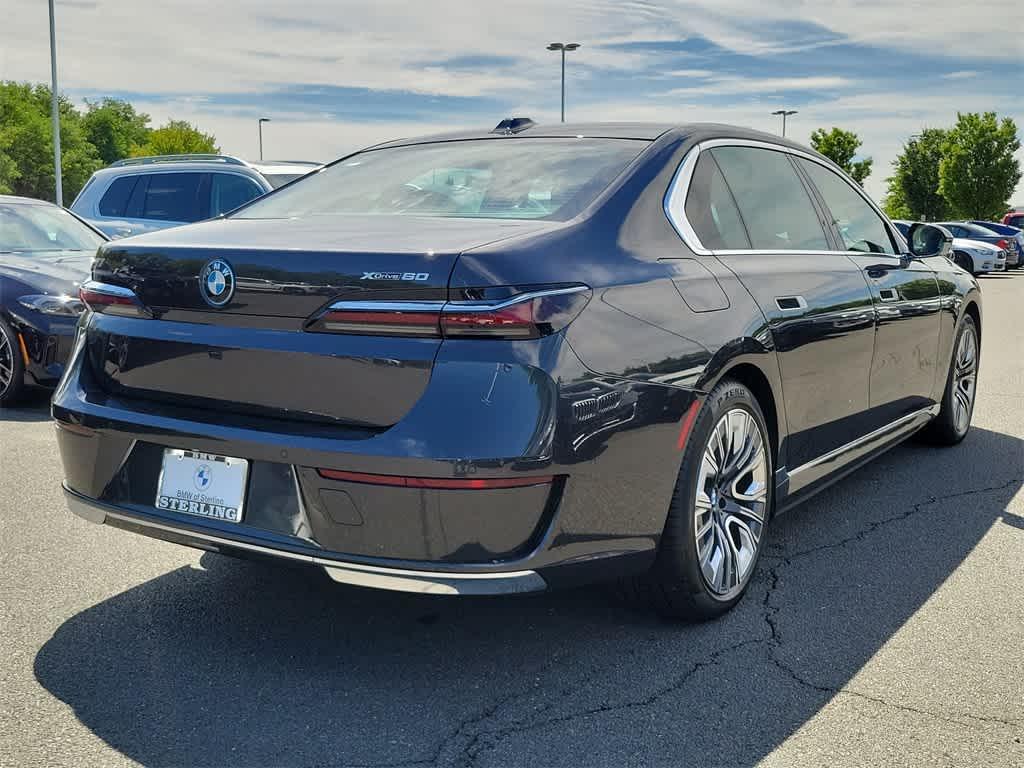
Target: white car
<point>977,257</point>
<point>974,256</point>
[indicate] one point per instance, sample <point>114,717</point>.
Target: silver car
<point>974,256</point>
<point>143,194</point>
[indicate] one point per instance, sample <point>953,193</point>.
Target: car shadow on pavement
<point>237,663</point>
<point>34,405</point>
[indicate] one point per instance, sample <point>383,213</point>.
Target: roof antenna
<point>513,125</point>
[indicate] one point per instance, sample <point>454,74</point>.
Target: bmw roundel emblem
<point>217,283</point>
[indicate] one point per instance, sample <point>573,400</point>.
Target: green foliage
<point>916,176</point>
<point>114,127</point>
<point>178,137</point>
<point>840,147</point>
<point>108,131</point>
<point>26,143</point>
<point>895,204</point>
<point>978,171</point>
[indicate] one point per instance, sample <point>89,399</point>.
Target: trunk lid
<point>252,355</point>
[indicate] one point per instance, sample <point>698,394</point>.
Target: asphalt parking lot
<point>885,626</point>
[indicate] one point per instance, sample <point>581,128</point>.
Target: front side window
<point>711,210</point>
<point>173,197</point>
<point>859,226</point>
<point>229,190</point>
<point>773,202</point>
<point>507,178</point>
<point>29,227</point>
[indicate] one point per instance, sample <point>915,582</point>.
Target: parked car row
<point>144,194</point>
<point>979,249</point>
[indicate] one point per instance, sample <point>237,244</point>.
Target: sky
<point>334,75</point>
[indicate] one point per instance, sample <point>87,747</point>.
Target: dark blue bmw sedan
<point>45,255</point>
<point>497,362</point>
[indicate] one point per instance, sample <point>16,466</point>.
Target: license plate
<point>202,484</point>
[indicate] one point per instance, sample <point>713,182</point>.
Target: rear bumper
<point>599,513</point>
<point>343,572</point>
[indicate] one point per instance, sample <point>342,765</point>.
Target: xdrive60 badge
<point>217,283</point>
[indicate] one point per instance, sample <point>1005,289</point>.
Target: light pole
<point>55,110</point>
<point>563,47</point>
<point>262,121</point>
<point>785,113</point>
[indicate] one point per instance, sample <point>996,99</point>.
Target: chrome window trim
<point>679,188</point>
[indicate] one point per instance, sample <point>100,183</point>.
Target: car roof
<point>609,130</point>
<point>175,166</point>
<point>18,200</point>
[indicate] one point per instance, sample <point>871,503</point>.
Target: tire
<point>957,405</point>
<point>682,584</point>
<point>12,367</point>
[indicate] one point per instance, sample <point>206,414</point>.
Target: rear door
<point>765,227</point>
<point>905,294</point>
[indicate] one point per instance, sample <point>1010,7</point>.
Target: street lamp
<point>261,122</point>
<point>563,47</point>
<point>785,113</point>
<point>55,110</point>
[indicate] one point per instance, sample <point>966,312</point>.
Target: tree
<point>114,127</point>
<point>895,204</point>
<point>979,172</point>
<point>178,137</point>
<point>916,176</point>
<point>26,143</point>
<point>840,147</point>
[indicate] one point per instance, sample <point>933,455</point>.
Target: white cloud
<point>199,48</point>
<point>725,86</point>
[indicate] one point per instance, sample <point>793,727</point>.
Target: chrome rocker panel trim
<point>357,574</point>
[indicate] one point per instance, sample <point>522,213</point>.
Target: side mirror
<point>927,240</point>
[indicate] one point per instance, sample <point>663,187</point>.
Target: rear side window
<point>173,197</point>
<point>1016,221</point>
<point>229,190</point>
<point>115,199</point>
<point>859,226</point>
<point>773,202</point>
<point>711,210</point>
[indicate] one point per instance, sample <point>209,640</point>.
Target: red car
<point>1014,219</point>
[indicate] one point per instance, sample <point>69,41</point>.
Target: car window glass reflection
<point>773,202</point>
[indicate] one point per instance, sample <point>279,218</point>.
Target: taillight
<point>383,318</point>
<point>528,315</point>
<point>1003,244</point>
<point>112,300</point>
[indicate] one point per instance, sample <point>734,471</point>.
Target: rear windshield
<point>485,178</point>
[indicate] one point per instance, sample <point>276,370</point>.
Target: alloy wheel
<point>731,502</point>
<point>965,375</point>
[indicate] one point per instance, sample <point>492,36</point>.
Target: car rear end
<point>341,390</point>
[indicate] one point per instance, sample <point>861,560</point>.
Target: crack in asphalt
<point>470,739</point>
<point>486,740</point>
<point>775,641</point>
